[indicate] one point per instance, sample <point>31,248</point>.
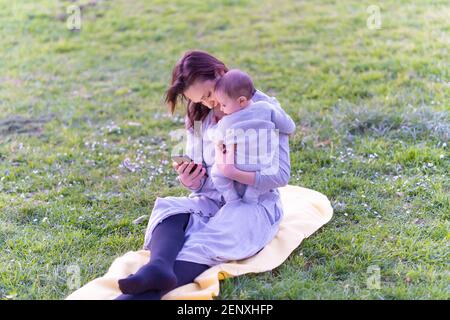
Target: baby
<point>253,126</point>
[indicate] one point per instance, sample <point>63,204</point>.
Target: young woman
<point>187,235</point>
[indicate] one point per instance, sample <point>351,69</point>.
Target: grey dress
<point>220,232</point>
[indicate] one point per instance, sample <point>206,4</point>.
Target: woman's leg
<point>166,242</point>
<point>185,271</point>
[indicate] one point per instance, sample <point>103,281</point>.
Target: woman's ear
<point>219,73</point>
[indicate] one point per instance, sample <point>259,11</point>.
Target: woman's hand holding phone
<point>189,176</point>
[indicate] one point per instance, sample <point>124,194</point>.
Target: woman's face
<point>202,91</point>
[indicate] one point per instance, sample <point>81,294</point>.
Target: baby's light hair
<point>236,83</point>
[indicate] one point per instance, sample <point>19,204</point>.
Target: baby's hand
<point>225,160</point>
<point>221,147</point>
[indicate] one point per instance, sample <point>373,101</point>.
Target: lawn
<point>85,137</point>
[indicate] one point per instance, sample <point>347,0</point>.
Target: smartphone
<point>185,158</point>
<point>181,159</point>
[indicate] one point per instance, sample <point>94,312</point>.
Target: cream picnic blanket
<point>305,211</point>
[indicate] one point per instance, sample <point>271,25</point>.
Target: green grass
<point>372,109</point>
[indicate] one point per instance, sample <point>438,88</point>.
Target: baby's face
<point>227,105</point>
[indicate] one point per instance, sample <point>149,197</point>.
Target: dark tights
<point>163,273</point>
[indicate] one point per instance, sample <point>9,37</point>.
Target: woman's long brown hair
<point>194,65</point>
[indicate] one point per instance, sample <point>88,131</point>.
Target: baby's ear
<point>242,100</point>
